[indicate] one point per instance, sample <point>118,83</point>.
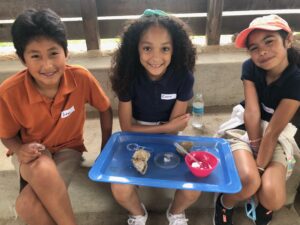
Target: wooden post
<point>214,22</point>
<point>90,24</point>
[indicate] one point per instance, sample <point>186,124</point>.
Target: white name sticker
<point>67,112</point>
<point>267,109</point>
<point>168,96</point>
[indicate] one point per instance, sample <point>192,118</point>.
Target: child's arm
<point>174,125</point>
<point>25,152</point>
<point>281,117</point>
<point>252,112</point>
<point>179,109</point>
<point>106,118</point>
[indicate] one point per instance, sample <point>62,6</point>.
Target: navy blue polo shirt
<point>287,86</point>
<point>153,101</point>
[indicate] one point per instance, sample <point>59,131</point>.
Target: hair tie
<point>156,12</point>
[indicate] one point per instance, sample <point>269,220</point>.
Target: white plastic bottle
<point>198,111</point>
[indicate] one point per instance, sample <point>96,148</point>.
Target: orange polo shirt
<point>56,123</point>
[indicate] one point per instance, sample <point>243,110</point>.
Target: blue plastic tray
<point>114,163</point>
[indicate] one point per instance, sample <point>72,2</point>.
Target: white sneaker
<point>138,220</point>
<point>176,219</point>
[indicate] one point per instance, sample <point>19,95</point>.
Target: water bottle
<point>198,111</point>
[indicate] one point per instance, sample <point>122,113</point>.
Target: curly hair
<point>126,63</point>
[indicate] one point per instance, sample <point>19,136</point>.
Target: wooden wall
<point>92,28</point>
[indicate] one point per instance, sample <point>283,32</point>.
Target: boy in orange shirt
<point>42,116</point>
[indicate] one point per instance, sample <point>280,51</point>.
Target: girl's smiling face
<point>155,51</point>
<point>45,60</point>
<point>268,50</point>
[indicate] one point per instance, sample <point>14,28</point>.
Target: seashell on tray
<point>140,160</point>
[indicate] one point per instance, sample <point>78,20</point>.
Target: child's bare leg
<point>44,179</point>
<point>272,194</point>
<point>127,196</point>
<point>30,208</point>
<point>249,176</point>
<point>183,199</point>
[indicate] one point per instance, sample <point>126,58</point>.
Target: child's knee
<point>273,197</point>
<point>250,180</point>
<point>122,191</point>
<point>191,195</point>
<point>274,202</point>
<point>41,168</point>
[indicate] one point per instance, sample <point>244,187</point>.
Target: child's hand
<point>29,152</point>
<point>179,123</point>
<point>254,145</point>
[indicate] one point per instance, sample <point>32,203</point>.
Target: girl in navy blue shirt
<point>271,79</point>
<point>152,77</point>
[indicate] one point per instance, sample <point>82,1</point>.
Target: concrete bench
<point>93,203</point>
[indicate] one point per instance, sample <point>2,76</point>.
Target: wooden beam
<point>90,24</point>
<point>214,22</point>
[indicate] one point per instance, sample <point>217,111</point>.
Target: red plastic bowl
<point>208,163</point>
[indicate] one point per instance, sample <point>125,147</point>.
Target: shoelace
<point>178,220</point>
<point>139,220</point>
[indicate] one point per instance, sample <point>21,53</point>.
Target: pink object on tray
<point>207,162</point>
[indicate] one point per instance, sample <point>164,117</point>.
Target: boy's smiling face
<point>46,61</point>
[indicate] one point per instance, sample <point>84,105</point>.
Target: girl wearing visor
<point>263,146</point>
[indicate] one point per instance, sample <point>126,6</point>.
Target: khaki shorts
<point>67,161</point>
<point>234,137</point>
